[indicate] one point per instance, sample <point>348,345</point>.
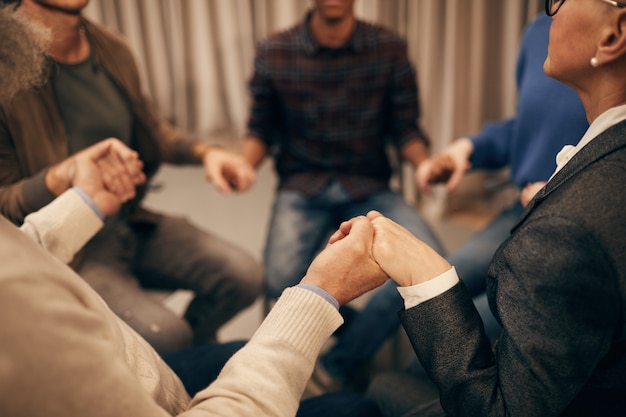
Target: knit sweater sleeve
<point>51,314</point>
<point>63,226</point>
<point>277,362</point>
<point>491,146</point>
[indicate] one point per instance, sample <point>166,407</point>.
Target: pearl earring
<point>594,62</point>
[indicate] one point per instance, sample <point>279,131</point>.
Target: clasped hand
<point>108,172</point>
<point>449,166</point>
<point>367,250</point>
<point>228,171</point>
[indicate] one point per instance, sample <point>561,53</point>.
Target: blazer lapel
<point>605,143</point>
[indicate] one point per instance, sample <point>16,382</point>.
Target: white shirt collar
<point>607,119</point>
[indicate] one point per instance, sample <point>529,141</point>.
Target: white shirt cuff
<point>416,294</point>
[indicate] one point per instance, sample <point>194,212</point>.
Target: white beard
<point>21,52</point>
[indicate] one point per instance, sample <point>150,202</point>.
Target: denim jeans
<point>361,339</point>
<point>198,366</point>
<point>339,404</point>
<point>301,225</point>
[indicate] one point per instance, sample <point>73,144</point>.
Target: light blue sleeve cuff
<point>89,202</point>
<point>317,290</point>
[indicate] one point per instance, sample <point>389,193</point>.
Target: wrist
<point>463,147</point>
<point>415,152</point>
<point>253,150</point>
<point>321,292</point>
<point>59,177</point>
<point>201,150</point>
<point>89,201</point>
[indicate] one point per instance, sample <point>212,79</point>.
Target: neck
<point>604,92</point>
<point>330,32</point>
<point>69,43</point>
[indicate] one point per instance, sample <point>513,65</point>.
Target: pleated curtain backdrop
<point>196,56</point>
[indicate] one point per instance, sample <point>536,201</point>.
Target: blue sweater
<point>549,116</point>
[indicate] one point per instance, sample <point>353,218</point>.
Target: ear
<point>612,45</point>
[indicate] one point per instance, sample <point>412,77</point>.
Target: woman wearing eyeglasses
<point>558,284</point>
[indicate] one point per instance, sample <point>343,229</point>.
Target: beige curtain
<point>196,56</point>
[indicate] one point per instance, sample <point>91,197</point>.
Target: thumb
<point>373,214</point>
<point>99,150</point>
<point>362,231</point>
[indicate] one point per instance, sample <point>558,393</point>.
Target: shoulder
<point>380,42</point>
<point>593,195</point>
<point>583,214</point>
<point>372,34</point>
<point>289,38</point>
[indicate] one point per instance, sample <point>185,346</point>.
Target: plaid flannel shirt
<point>329,113</point>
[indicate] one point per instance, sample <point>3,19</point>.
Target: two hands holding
<point>365,251</point>
<point>361,255</point>
<point>108,172</point>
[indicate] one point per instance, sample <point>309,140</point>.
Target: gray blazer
<point>558,287</point>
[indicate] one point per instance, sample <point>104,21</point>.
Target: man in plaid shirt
<point>328,97</point>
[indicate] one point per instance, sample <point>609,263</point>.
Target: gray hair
<point>22,59</point>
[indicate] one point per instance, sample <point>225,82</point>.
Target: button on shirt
<point>328,113</point>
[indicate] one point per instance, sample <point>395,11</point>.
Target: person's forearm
<point>271,371</point>
<point>253,150</point>
<point>63,226</point>
<point>462,148</point>
<point>415,152</point>
<point>199,150</point>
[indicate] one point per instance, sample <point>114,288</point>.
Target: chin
<point>547,68</point>
<point>334,10</point>
<point>333,15</point>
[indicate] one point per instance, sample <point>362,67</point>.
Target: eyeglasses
<point>553,6</point>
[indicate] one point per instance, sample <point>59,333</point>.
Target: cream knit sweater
<point>64,353</point>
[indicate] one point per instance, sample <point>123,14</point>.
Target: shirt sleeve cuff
<point>89,202</point>
<point>417,294</point>
<point>325,295</point>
